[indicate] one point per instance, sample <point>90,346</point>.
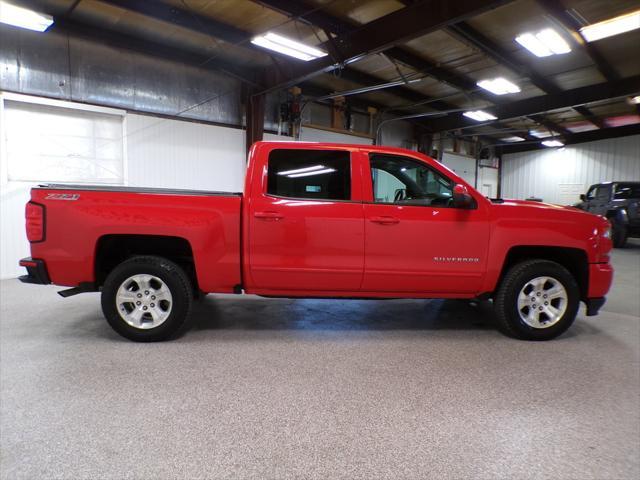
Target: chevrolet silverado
<point>319,221</point>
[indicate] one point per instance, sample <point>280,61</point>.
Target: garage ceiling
<point>448,45</point>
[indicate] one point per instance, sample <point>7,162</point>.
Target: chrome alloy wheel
<point>144,301</point>
<point>542,302</point>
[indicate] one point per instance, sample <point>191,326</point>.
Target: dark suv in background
<point>620,203</point>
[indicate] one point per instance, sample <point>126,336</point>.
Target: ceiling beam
<point>546,103</point>
<point>384,33</point>
<point>559,12</point>
<point>576,138</point>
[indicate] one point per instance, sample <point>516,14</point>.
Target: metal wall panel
<point>32,63</point>
<point>73,68</point>
<point>545,173</point>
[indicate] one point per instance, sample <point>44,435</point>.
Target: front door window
<point>399,180</point>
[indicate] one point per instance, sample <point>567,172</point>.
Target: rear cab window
<point>309,174</point>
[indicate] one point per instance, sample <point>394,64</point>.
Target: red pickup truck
<point>322,221</point>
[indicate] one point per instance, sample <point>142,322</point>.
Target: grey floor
<point>319,389</point>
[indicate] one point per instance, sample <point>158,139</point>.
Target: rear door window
<point>314,174</point>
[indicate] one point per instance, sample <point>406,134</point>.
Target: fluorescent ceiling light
<point>553,143</point>
<point>479,115</point>
<point>286,46</point>
<point>611,27</point>
<point>315,172</point>
<point>634,100</point>
<point>584,126</point>
<point>512,139</point>
<point>553,41</point>
<point>540,133</point>
<point>544,43</point>
<point>300,170</point>
<point>499,86</point>
<point>24,18</point>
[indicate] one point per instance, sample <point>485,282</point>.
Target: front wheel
<point>537,300</point>
<point>618,234</point>
<point>147,299</point>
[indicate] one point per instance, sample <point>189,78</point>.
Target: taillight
<point>34,214</point>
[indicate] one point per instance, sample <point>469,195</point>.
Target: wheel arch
<point>113,249</point>
<point>574,260</point>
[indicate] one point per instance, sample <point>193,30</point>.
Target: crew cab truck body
<point>319,220</point>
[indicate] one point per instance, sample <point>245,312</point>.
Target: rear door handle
<point>268,215</point>
<point>385,220</point>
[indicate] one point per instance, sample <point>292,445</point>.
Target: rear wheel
<point>147,299</point>
<point>537,300</point>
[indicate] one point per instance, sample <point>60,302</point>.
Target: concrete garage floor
<point>319,389</point>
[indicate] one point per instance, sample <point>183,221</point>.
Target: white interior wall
<point>463,165</point>
<point>560,175</point>
<point>177,154</point>
<point>488,181</point>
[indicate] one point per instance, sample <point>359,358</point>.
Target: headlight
<point>606,233</point>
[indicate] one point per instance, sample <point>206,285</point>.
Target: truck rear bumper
<point>36,271</point>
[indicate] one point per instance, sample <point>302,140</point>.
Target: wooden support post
<point>372,111</point>
<point>337,115</point>
<point>254,108</point>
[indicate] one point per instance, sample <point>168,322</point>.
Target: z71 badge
<point>62,196</point>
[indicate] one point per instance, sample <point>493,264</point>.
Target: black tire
<point>506,300</point>
<point>618,234</point>
<point>173,277</point>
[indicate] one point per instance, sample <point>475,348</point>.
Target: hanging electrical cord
<point>442,113</point>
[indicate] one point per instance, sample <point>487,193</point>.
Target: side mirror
<point>583,197</point>
<point>462,198</point>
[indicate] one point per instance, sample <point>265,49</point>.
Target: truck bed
<point>82,219</point>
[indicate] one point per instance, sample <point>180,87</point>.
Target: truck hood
<point>525,208</point>
<point>537,205</point>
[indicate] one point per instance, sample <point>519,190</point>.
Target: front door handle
<point>268,215</point>
<point>385,220</point>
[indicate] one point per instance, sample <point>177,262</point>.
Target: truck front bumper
<point>36,271</point>
<point>600,278</point>
<point>594,305</point>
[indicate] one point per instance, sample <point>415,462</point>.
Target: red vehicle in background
<point>319,221</point>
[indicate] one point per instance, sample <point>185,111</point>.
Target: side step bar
<point>84,287</point>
